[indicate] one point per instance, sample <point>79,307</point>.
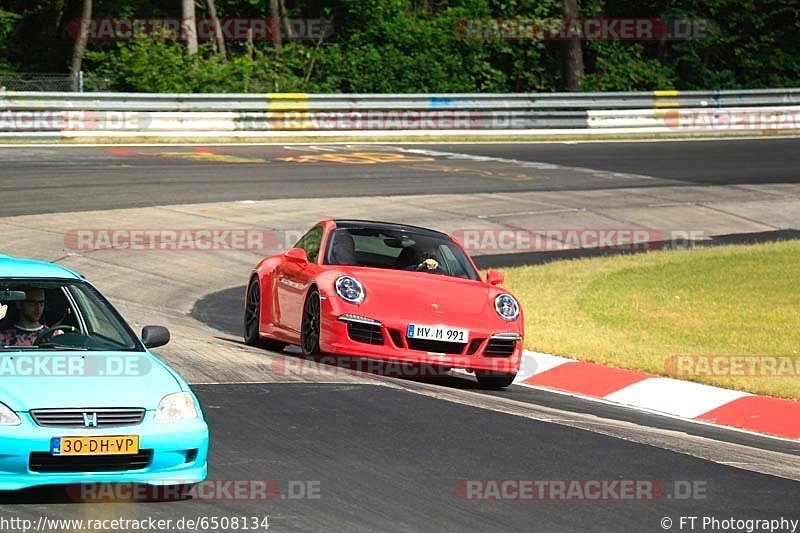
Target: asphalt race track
<point>389,461</point>
<point>44,180</point>
<point>394,455</point>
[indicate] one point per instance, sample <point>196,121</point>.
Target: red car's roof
<point>353,223</point>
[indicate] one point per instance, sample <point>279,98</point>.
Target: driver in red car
<point>425,261</point>
<point>29,324</point>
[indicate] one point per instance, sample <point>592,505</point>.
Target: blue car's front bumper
<point>180,451</point>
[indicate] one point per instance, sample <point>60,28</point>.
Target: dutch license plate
<point>437,333</point>
<point>107,445</point>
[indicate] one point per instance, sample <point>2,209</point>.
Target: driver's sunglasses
<point>37,302</point>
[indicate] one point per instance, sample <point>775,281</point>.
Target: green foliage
<point>161,65</point>
<point>390,48</point>
<point>413,46</point>
<point>8,22</point>
<point>624,67</point>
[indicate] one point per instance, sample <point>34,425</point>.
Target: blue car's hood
<point>143,387</point>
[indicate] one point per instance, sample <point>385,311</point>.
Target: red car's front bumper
<point>494,348</point>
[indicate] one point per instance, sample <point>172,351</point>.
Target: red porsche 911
<point>386,291</point>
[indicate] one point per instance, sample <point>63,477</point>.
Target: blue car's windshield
<point>60,315</point>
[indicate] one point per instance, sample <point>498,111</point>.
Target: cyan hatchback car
<point>82,400</point>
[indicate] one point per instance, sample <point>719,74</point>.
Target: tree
<point>212,12</point>
<point>573,53</point>
<point>80,44</point>
<point>189,26</point>
<point>275,17</point>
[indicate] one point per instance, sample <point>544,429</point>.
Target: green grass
<point>638,311</point>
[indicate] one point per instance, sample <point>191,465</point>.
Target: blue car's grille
<point>74,418</point>
<point>44,462</point>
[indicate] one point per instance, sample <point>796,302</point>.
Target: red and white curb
<point>683,399</point>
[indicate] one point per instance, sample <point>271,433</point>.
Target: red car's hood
<point>419,293</point>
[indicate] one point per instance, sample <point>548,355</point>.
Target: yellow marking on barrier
<point>666,94</point>
<point>211,156</point>
<point>354,158</point>
<point>287,101</point>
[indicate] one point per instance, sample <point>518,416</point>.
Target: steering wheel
<point>438,270</point>
<point>48,333</point>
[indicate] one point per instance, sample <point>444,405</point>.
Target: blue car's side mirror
<point>155,336</point>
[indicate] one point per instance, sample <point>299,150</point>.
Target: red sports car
<point>386,291</point>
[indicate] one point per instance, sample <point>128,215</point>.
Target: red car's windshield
<point>400,250</point>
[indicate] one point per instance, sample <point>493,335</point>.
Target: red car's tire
<point>494,380</point>
<point>310,324</point>
<point>252,317</point>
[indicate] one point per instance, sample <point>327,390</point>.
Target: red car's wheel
<point>309,328</point>
<point>252,317</point>
<point>494,380</point>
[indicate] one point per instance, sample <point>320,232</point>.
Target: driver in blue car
<point>29,325</point>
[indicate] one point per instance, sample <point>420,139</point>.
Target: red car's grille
<point>366,333</point>
<point>499,347</point>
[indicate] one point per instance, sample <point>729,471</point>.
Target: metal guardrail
<point>362,102</point>
<point>87,114</point>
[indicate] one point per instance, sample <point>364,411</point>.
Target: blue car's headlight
<point>8,417</point>
<point>506,306</point>
<point>175,407</point>
<point>349,289</point>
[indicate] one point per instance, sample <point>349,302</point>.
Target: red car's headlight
<point>350,289</point>
<point>506,306</point>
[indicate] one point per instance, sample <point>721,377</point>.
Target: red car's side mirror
<point>495,277</point>
<point>298,255</point>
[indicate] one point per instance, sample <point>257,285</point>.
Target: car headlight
<point>506,306</point>
<point>8,417</point>
<point>175,407</point>
<point>350,289</point>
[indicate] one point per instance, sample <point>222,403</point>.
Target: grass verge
<point>726,316</point>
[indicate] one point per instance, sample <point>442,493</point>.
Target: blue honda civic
<point>82,400</point>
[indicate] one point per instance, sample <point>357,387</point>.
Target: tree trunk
<point>285,21</point>
<point>189,26</point>
<point>573,53</point>
<point>80,44</point>
<point>275,18</point>
<point>212,12</point>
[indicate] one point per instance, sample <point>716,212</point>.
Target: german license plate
<point>107,445</point>
<point>437,333</point>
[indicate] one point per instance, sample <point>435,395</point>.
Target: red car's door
<point>294,277</point>
<point>292,281</point>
